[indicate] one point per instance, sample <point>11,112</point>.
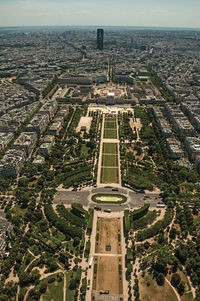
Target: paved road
<point>69,197</point>
<point>83,197</point>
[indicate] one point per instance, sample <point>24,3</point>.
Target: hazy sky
<point>183,13</point>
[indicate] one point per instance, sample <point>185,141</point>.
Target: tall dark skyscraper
<point>100,39</point>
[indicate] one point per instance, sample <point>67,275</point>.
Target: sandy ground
<point>2,214</point>
<point>104,262</point>
<point>107,275</point>
<point>107,262</point>
<point>158,293</point>
<point>109,228</point>
<point>84,121</point>
<point>11,277</point>
<point>135,122</point>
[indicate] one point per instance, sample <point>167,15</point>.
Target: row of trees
<point>160,85</point>
<point>61,224</point>
<point>78,210</point>
<point>126,131</point>
<point>127,224</point>
<point>144,221</point>
<point>157,227</point>
<point>50,86</point>
<point>185,220</point>
<point>70,217</point>
<point>136,214</point>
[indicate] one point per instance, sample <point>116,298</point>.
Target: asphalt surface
<point>83,197</point>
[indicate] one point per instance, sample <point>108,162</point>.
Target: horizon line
<point>127,26</point>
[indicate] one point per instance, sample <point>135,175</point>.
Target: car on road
<point>97,208</point>
<point>88,285</point>
<point>115,189</point>
<point>107,210</point>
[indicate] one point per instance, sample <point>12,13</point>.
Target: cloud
<point>140,12</point>
<point>160,11</point>
<point>84,12</point>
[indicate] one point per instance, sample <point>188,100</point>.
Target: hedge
<point>70,217</point>
<point>157,227</point>
<point>126,221</point>
<point>78,210</point>
<point>90,220</point>
<point>136,214</point>
<point>61,224</point>
<point>144,221</point>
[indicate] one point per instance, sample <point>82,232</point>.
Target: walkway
<point>100,153</point>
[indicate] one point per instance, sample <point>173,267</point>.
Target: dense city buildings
<point>12,162</point>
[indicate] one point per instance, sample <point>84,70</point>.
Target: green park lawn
<point>110,134</point>
<point>70,294</point>
<point>54,290</point>
<point>110,124</point>
<point>109,175</point>
<point>111,119</point>
<point>109,148</point>
<point>84,150</point>
<point>109,160</point>
<point>109,198</point>
<point>19,212</point>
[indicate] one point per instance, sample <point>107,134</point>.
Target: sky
<point>153,13</point>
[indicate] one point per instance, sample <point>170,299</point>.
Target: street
<point>134,199</point>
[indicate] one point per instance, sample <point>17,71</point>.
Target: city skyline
<point>151,13</point>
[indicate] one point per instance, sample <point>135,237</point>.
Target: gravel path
<point>100,153</point>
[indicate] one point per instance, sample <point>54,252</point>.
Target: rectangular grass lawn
<point>110,119</point>
<point>109,175</point>
<point>110,125</point>
<point>109,148</point>
<point>110,134</point>
<point>109,160</point>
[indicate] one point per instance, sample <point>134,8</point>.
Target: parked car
<point>115,189</point>
<point>107,210</point>
<point>97,208</point>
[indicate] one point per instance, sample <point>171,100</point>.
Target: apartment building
<point>38,124</point>
<point>192,145</point>
<point>49,108</point>
<point>5,138</point>
<point>26,141</point>
<point>12,162</point>
<point>174,148</point>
